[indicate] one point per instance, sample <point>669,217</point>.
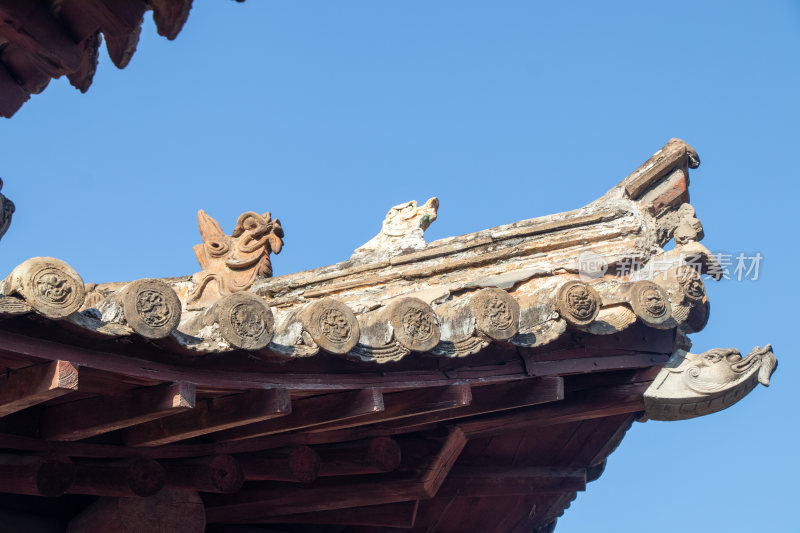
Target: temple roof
<point>503,366</point>
<point>509,284</point>
<point>40,41</point>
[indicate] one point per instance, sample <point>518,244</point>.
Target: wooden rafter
<point>32,348</point>
<point>399,515</point>
<point>219,473</point>
<point>374,456</point>
<point>310,412</point>
<point>94,416</point>
<point>593,364</point>
<point>37,384</point>
<point>252,505</point>
<point>215,414</point>
<point>619,395</point>
<point>36,476</point>
<point>583,405</point>
<point>298,465</point>
<point>409,403</point>
<point>491,399</point>
<point>130,478</point>
<point>511,481</point>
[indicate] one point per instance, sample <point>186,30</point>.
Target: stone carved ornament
<point>545,302</point>
<point>402,229</point>
<point>6,210</point>
<point>231,263</point>
<point>692,385</point>
<point>49,286</point>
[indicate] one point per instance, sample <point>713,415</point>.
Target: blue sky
<point>329,113</point>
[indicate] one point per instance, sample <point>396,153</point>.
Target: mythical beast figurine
<point>232,263</point>
<point>692,385</point>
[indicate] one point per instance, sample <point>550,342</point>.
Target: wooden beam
<point>584,405</point>
<point>238,379</point>
<point>36,476</point>
<point>33,26</point>
<point>511,481</point>
<point>493,398</point>
<point>620,398</point>
<point>374,456</point>
<point>138,477</point>
<point>254,504</point>
<point>299,465</point>
<point>444,461</point>
<point>675,154</point>
<point>408,403</point>
<point>592,364</point>
<point>400,515</point>
<point>220,473</point>
<point>169,510</point>
<point>573,384</point>
<point>193,448</point>
<point>310,412</point>
<point>30,78</point>
<point>212,415</point>
<point>94,416</point>
<point>115,17</point>
<point>33,385</point>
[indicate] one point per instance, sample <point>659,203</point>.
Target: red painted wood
<point>492,399</point>
<point>94,416</point>
<point>138,477</point>
<point>512,481</point>
<point>300,465</point>
<point>36,476</point>
<point>399,515</point>
<point>585,365</point>
<point>581,406</point>
<point>212,415</point>
<point>217,379</point>
<point>312,412</point>
<point>220,474</point>
<point>404,404</point>
<point>375,456</point>
<point>37,384</point>
<point>252,505</point>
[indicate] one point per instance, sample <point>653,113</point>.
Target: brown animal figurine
<point>231,263</point>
